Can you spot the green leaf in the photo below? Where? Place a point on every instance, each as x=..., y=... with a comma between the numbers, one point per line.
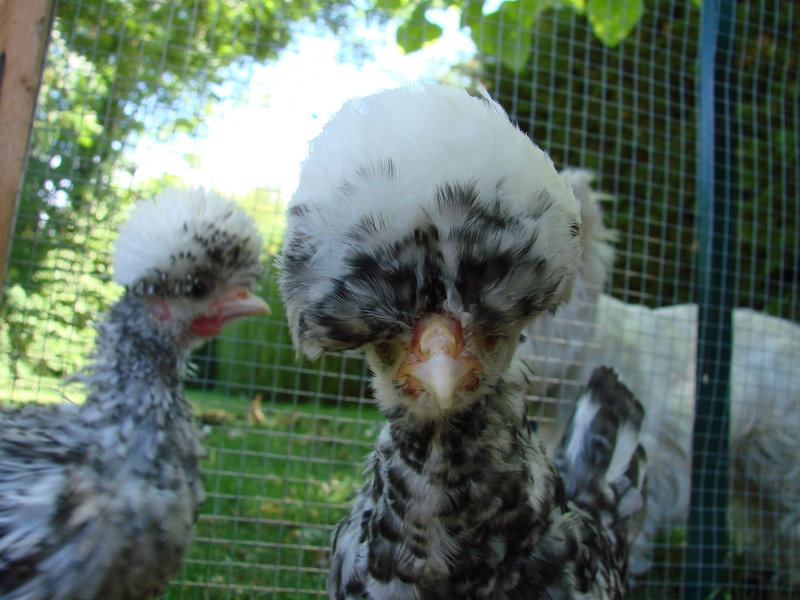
x=504, y=33
x=613, y=20
x=472, y=13
x=395, y=7
x=579, y=6
x=417, y=31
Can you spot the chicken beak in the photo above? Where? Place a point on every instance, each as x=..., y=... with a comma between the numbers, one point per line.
x=237, y=302
x=439, y=367
x=441, y=375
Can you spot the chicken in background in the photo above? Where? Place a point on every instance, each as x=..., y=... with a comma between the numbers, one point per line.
x=655, y=352
x=427, y=230
x=556, y=345
x=98, y=500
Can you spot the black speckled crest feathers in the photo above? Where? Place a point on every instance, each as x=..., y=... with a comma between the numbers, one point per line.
x=416, y=199
x=167, y=245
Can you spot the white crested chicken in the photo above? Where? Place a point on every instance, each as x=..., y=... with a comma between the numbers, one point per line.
x=98, y=500
x=427, y=230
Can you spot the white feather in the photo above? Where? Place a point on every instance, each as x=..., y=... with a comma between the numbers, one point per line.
x=654, y=350
x=140, y=247
x=585, y=412
x=627, y=443
x=452, y=139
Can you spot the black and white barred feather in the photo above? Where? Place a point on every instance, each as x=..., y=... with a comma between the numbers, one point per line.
x=475, y=510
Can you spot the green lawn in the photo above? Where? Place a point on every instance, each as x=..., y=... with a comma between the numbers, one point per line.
x=275, y=490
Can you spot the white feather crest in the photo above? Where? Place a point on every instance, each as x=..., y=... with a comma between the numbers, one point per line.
x=385, y=160
x=158, y=230
x=433, y=135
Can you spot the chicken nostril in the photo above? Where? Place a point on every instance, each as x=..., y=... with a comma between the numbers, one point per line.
x=435, y=333
x=437, y=338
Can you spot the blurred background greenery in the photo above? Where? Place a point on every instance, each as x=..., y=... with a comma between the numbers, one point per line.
x=628, y=74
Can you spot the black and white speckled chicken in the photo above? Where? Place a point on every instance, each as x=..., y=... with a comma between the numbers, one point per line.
x=98, y=500
x=428, y=230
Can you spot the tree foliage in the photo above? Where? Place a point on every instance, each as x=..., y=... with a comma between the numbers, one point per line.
x=115, y=69
x=505, y=32
x=119, y=67
x=629, y=113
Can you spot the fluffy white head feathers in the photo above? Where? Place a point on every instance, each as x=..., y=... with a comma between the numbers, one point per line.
x=405, y=201
x=183, y=231
x=427, y=136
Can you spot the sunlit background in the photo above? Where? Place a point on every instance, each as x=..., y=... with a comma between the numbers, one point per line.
x=140, y=94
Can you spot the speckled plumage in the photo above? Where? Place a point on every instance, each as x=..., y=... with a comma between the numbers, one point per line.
x=448, y=220
x=428, y=228
x=98, y=500
x=472, y=508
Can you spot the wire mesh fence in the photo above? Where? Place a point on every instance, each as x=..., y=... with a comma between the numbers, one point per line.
x=141, y=94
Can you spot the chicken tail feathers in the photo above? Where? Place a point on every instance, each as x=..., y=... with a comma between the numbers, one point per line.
x=601, y=461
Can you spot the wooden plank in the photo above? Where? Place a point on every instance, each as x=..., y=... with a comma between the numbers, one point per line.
x=24, y=33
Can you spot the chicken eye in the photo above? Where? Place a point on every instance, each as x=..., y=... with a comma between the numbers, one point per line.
x=490, y=341
x=200, y=288
x=384, y=350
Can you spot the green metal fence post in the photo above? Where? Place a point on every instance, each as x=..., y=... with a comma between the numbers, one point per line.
x=705, y=570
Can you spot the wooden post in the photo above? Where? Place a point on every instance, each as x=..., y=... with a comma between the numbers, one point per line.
x=24, y=32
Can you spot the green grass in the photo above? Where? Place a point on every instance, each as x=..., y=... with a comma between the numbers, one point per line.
x=274, y=492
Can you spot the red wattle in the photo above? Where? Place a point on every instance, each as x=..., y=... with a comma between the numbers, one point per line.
x=206, y=326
